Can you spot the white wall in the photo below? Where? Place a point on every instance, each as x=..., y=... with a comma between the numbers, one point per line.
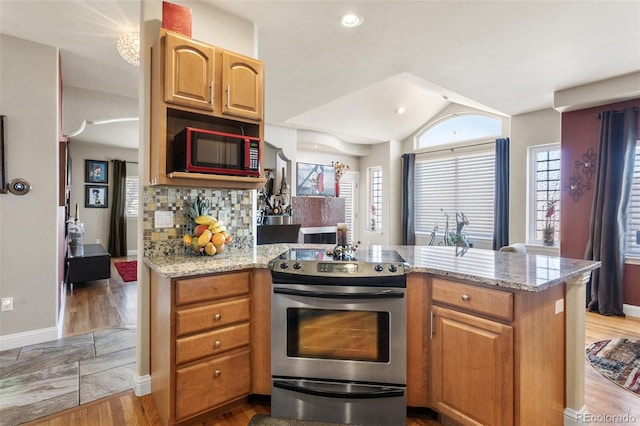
x=96, y=220
x=29, y=223
x=534, y=128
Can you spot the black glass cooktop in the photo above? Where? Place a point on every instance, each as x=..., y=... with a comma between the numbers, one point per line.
x=372, y=255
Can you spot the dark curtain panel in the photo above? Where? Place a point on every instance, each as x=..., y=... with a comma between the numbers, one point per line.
x=118, y=221
x=608, y=224
x=501, y=195
x=408, y=208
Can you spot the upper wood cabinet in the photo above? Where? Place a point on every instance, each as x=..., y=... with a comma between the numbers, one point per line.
x=195, y=84
x=243, y=83
x=189, y=69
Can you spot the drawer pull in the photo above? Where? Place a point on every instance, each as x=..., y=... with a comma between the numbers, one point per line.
x=466, y=298
x=218, y=373
x=217, y=344
x=217, y=317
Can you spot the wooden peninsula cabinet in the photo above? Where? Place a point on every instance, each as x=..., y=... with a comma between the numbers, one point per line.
x=495, y=354
x=200, y=344
x=195, y=84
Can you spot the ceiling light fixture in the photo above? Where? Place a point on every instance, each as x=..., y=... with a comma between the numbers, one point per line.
x=351, y=20
x=401, y=110
x=129, y=47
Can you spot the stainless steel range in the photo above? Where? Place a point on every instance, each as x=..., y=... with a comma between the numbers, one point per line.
x=338, y=339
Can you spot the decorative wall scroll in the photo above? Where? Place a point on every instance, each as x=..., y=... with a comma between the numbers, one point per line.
x=584, y=171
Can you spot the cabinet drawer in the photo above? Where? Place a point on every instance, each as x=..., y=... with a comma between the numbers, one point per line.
x=210, y=288
x=212, y=342
x=212, y=316
x=493, y=303
x=212, y=383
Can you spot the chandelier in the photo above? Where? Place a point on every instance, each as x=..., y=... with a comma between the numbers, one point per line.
x=129, y=47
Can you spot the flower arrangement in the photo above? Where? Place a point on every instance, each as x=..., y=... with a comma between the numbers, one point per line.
x=340, y=169
x=549, y=222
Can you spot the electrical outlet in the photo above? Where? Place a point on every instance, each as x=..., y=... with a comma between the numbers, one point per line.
x=163, y=219
x=97, y=240
x=7, y=303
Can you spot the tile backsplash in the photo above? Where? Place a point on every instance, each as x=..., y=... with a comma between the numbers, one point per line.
x=236, y=208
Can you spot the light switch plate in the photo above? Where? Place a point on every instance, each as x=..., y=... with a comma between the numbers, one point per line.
x=163, y=219
x=559, y=306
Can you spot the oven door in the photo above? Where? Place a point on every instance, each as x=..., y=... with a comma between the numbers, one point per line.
x=344, y=333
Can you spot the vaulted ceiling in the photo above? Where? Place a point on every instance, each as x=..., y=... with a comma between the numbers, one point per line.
x=506, y=57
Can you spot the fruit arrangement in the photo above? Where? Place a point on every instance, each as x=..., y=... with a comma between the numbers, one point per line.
x=209, y=236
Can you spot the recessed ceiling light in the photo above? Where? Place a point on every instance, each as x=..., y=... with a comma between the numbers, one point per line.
x=401, y=110
x=351, y=20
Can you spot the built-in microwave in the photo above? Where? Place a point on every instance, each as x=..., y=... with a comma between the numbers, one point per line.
x=209, y=151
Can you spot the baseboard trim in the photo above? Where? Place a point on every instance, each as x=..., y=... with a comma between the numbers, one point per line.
x=141, y=384
x=573, y=417
x=32, y=337
x=631, y=310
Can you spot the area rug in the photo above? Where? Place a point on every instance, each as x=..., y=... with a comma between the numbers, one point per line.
x=618, y=360
x=266, y=420
x=127, y=270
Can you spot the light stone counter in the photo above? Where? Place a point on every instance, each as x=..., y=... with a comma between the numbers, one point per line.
x=509, y=270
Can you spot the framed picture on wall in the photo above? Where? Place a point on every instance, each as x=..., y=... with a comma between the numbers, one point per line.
x=96, y=196
x=316, y=179
x=96, y=171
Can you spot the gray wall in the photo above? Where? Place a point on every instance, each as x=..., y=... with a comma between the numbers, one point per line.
x=29, y=224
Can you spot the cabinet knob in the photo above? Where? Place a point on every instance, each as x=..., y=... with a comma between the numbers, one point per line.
x=217, y=344
x=217, y=317
x=466, y=298
x=218, y=373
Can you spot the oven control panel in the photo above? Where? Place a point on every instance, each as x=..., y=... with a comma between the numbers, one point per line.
x=337, y=269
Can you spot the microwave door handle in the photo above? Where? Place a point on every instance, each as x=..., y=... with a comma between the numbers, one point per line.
x=310, y=390
x=384, y=294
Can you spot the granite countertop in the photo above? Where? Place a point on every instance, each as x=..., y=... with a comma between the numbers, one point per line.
x=510, y=270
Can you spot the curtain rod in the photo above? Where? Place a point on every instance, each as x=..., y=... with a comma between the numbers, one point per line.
x=458, y=147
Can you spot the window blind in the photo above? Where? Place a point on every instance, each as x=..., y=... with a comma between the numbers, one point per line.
x=633, y=224
x=131, y=196
x=457, y=183
x=346, y=192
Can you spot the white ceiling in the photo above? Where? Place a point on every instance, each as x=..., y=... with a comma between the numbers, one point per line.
x=507, y=57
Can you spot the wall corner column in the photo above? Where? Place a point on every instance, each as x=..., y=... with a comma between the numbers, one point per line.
x=575, y=345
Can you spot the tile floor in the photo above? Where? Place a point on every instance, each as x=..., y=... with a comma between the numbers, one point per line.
x=42, y=379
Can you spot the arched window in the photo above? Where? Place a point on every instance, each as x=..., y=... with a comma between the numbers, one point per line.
x=458, y=128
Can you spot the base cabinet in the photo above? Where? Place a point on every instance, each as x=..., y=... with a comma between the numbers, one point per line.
x=200, y=344
x=472, y=368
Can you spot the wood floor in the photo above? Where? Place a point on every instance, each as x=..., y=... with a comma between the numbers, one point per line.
x=115, y=306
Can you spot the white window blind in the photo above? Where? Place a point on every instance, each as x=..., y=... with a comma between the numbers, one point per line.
x=457, y=183
x=633, y=224
x=375, y=199
x=347, y=191
x=131, y=196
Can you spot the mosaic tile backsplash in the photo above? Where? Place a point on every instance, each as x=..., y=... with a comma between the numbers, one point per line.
x=236, y=208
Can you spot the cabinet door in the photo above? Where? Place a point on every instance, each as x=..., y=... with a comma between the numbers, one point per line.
x=472, y=368
x=243, y=84
x=189, y=71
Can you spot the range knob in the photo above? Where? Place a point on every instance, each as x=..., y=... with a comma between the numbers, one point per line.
x=392, y=268
x=284, y=265
x=378, y=268
x=297, y=265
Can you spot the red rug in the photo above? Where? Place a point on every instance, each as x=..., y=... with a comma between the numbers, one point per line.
x=127, y=270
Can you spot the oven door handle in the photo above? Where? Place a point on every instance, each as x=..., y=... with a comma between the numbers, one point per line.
x=309, y=390
x=384, y=294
